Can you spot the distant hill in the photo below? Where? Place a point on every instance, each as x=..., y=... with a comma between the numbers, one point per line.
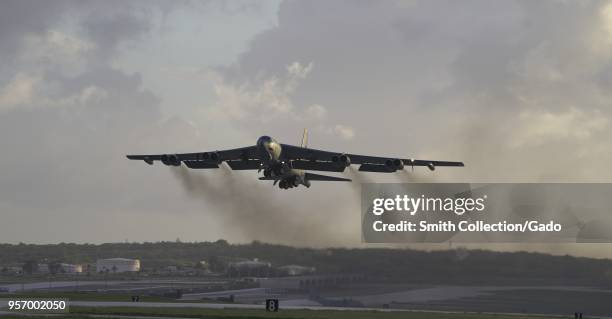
x=383, y=264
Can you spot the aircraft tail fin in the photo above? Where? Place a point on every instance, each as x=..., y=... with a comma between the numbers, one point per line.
x=305, y=138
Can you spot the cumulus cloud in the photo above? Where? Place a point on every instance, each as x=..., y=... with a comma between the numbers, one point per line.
x=19, y=91
x=606, y=16
x=298, y=70
x=265, y=100
x=316, y=111
x=56, y=46
x=271, y=101
x=344, y=131
x=519, y=90
x=66, y=130
x=28, y=91
x=540, y=127
x=455, y=81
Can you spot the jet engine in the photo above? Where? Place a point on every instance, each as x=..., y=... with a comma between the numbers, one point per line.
x=342, y=159
x=211, y=156
x=389, y=164
x=274, y=170
x=399, y=165
x=431, y=166
x=290, y=182
x=170, y=160
x=394, y=164
x=282, y=184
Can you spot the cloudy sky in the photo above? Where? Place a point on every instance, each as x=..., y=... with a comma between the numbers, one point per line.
x=518, y=90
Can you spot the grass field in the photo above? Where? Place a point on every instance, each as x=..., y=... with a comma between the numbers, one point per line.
x=83, y=296
x=117, y=312
x=57, y=317
x=288, y=314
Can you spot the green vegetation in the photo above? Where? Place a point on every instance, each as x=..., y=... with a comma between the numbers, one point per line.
x=385, y=265
x=288, y=314
x=91, y=296
x=303, y=314
x=57, y=317
x=84, y=296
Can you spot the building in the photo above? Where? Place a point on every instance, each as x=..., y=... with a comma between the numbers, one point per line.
x=304, y=283
x=13, y=270
x=116, y=265
x=42, y=269
x=296, y=270
x=71, y=269
x=249, y=268
x=203, y=264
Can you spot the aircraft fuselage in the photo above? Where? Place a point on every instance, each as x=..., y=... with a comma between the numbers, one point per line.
x=270, y=154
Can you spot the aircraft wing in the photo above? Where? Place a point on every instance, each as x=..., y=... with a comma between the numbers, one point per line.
x=238, y=158
x=313, y=159
x=317, y=166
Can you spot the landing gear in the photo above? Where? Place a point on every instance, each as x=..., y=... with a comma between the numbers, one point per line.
x=290, y=182
x=276, y=170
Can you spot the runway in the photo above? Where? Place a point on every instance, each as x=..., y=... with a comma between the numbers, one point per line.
x=103, y=285
x=245, y=306
x=554, y=300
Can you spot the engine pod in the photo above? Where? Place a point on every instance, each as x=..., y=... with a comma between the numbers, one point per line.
x=170, y=160
x=342, y=159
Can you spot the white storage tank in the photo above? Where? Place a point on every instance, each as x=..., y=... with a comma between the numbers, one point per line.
x=71, y=269
x=115, y=265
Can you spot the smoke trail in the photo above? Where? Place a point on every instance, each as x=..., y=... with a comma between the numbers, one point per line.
x=405, y=176
x=356, y=176
x=255, y=211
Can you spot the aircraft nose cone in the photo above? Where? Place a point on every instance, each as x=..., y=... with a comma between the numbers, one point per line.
x=264, y=141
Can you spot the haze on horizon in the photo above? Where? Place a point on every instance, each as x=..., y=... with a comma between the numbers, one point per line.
x=518, y=90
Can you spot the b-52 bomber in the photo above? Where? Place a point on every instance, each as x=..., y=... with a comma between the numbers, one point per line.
x=287, y=164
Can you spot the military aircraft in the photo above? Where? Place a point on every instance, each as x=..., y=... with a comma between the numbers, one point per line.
x=286, y=164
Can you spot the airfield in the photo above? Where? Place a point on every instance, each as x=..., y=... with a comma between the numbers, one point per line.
x=177, y=313
x=386, y=301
